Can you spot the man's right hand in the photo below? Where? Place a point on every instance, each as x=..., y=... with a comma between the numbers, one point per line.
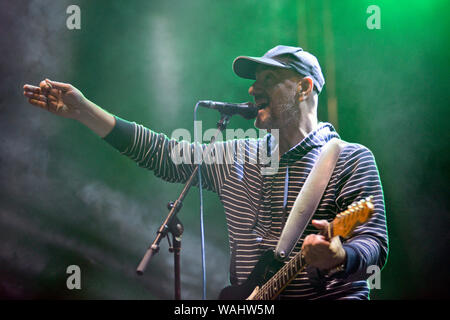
x=66, y=101
x=59, y=98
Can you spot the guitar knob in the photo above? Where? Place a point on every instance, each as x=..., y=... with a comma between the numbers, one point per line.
x=281, y=255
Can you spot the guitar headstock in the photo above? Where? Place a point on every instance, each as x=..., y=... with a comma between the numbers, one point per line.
x=356, y=214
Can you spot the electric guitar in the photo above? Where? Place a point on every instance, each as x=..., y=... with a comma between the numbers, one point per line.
x=270, y=275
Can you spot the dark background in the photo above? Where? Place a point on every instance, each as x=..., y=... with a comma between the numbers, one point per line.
x=66, y=197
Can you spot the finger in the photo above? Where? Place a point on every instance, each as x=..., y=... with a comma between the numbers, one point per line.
x=320, y=239
x=35, y=96
x=52, y=98
x=308, y=239
x=30, y=88
x=58, y=85
x=44, y=86
x=54, y=92
x=38, y=103
x=317, y=239
x=320, y=224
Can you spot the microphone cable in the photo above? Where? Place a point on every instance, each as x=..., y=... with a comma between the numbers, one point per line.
x=202, y=229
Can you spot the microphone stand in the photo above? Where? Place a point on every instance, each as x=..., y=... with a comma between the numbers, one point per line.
x=172, y=224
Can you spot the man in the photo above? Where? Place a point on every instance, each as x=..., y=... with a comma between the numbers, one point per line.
x=287, y=83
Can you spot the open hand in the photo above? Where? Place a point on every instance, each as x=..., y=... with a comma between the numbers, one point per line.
x=59, y=98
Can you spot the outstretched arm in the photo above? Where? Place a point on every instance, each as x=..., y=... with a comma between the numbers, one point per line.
x=147, y=148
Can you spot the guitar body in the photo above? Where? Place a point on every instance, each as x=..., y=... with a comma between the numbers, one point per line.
x=266, y=267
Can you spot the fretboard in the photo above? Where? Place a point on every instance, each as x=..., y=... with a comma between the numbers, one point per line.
x=272, y=288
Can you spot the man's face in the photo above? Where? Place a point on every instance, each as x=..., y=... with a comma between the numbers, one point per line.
x=275, y=90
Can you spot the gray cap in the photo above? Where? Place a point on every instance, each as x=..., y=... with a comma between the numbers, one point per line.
x=284, y=57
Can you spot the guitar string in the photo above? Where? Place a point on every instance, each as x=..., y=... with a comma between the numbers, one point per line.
x=268, y=286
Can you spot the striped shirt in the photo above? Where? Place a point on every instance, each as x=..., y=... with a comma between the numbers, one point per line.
x=256, y=204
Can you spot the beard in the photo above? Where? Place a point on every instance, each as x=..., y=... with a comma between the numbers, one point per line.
x=278, y=115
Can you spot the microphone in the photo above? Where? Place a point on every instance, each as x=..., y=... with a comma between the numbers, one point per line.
x=247, y=110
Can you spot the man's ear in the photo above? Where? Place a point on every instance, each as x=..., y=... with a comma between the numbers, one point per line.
x=304, y=88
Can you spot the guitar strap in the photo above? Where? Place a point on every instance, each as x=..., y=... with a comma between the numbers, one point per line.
x=309, y=198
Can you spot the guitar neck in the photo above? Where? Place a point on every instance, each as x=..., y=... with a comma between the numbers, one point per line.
x=272, y=288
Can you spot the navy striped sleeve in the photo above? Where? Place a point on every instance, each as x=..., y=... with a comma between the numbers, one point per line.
x=169, y=159
x=368, y=244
